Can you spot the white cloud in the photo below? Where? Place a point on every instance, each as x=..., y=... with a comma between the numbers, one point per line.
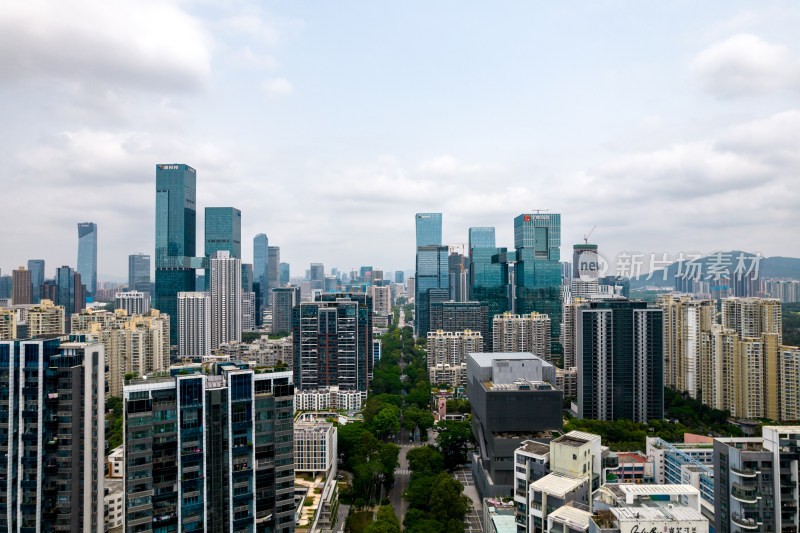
x=746, y=65
x=245, y=57
x=149, y=44
x=449, y=165
x=277, y=86
x=252, y=26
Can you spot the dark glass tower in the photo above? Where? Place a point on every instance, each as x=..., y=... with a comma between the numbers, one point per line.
x=488, y=281
x=284, y=274
x=139, y=273
x=87, y=256
x=36, y=266
x=620, y=356
x=537, y=271
x=176, y=231
x=273, y=270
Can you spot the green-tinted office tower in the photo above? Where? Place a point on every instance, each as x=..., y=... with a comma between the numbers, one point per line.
x=284, y=274
x=429, y=229
x=488, y=281
x=481, y=238
x=432, y=274
x=176, y=233
x=139, y=273
x=36, y=266
x=87, y=256
x=223, y=231
x=537, y=271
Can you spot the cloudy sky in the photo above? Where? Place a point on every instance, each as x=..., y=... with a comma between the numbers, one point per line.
x=672, y=126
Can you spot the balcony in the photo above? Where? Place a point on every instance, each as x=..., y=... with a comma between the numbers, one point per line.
x=745, y=523
x=743, y=473
x=744, y=494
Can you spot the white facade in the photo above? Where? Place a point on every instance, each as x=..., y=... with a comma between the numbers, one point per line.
x=315, y=447
x=325, y=399
x=134, y=302
x=113, y=503
x=116, y=463
x=194, y=324
x=226, y=298
x=447, y=355
x=522, y=333
x=381, y=299
x=248, y=311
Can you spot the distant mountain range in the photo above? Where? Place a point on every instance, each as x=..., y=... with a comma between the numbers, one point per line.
x=768, y=267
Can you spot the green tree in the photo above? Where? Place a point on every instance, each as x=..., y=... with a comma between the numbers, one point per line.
x=386, y=521
x=387, y=420
x=454, y=440
x=448, y=505
x=425, y=460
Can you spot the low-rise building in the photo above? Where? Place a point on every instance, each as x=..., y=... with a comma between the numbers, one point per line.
x=552, y=492
x=498, y=516
x=685, y=463
x=315, y=448
x=331, y=398
x=116, y=463
x=113, y=504
x=627, y=508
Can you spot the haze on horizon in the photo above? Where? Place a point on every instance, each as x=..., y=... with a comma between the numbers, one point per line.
x=672, y=127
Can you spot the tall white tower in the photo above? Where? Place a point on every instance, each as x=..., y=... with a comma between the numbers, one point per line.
x=226, y=298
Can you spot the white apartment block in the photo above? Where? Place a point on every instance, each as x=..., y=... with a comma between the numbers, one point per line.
x=522, y=333
x=447, y=355
x=194, y=324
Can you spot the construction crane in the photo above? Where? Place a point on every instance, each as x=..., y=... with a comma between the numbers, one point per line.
x=456, y=247
x=586, y=237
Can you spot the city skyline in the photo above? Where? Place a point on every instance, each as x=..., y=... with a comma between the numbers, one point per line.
x=693, y=130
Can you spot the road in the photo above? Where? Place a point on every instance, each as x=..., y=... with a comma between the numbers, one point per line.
x=474, y=521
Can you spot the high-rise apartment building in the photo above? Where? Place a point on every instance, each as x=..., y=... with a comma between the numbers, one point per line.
x=134, y=344
x=139, y=273
x=381, y=299
x=52, y=435
x=22, y=289
x=133, y=302
x=176, y=238
x=87, y=256
x=458, y=272
x=283, y=301
x=194, y=324
x=248, y=311
x=752, y=317
x=333, y=342
x=8, y=324
x=210, y=452
x=46, y=319
x=755, y=478
x=36, y=266
x=462, y=316
x=537, y=270
x=226, y=298
x=684, y=321
x=447, y=355
x=522, y=333
x=620, y=361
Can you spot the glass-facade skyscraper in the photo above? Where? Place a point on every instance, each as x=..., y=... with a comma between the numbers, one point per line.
x=87, y=256
x=273, y=270
x=429, y=229
x=537, y=271
x=284, y=274
x=176, y=234
x=481, y=238
x=260, y=264
x=432, y=274
x=36, y=266
x=488, y=279
x=139, y=273
x=223, y=231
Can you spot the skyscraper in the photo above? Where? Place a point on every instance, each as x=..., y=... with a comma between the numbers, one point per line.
x=488, y=278
x=283, y=301
x=176, y=234
x=432, y=275
x=194, y=324
x=36, y=266
x=537, y=271
x=333, y=342
x=53, y=439
x=429, y=229
x=285, y=274
x=526, y=333
x=317, y=276
x=620, y=361
x=87, y=256
x=223, y=231
x=21, y=286
x=399, y=277
x=139, y=273
x=273, y=270
x=70, y=292
x=226, y=298
x=210, y=452
x=247, y=277
x=481, y=238
x=260, y=266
